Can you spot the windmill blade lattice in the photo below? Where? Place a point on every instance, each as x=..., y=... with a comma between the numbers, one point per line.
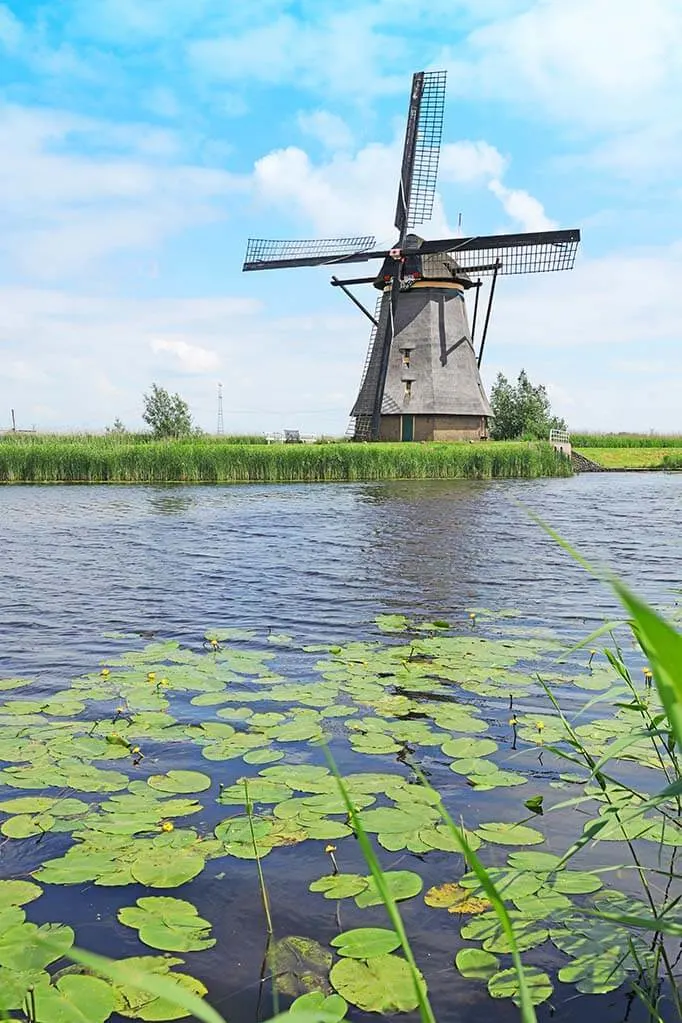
x=529, y=253
x=427, y=149
x=270, y=253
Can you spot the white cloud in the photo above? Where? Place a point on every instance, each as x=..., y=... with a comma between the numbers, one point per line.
x=65, y=205
x=11, y=31
x=191, y=358
x=624, y=298
x=72, y=360
x=329, y=129
x=598, y=63
x=466, y=162
x=522, y=207
x=347, y=193
x=344, y=54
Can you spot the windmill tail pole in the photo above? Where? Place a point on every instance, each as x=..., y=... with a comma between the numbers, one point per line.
x=473, y=322
x=340, y=284
x=487, y=316
x=386, y=343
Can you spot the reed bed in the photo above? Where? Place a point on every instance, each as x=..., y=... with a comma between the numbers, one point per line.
x=202, y=460
x=672, y=461
x=626, y=440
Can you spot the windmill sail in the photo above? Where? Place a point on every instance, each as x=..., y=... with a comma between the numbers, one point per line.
x=271, y=254
x=421, y=150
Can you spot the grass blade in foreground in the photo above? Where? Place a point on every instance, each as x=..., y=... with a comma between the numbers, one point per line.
x=425, y=1010
x=149, y=983
x=525, y=1002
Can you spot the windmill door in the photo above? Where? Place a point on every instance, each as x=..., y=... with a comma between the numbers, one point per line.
x=407, y=427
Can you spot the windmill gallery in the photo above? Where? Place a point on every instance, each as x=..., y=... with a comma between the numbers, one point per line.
x=421, y=379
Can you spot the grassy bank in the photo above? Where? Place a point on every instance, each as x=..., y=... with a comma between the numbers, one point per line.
x=626, y=440
x=207, y=460
x=634, y=457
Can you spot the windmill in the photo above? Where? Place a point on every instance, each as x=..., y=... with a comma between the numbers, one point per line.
x=421, y=378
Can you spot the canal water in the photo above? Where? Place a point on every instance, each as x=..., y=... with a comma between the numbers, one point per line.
x=319, y=563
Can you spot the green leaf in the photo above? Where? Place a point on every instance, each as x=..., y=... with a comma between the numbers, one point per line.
x=506, y=985
x=543, y=905
x=28, y=948
x=28, y=804
x=75, y=999
x=501, y=833
x=173, y=995
x=663, y=647
x=24, y=826
x=475, y=964
x=537, y=861
x=167, y=869
x=339, y=886
x=322, y=1008
x=534, y=804
x=180, y=781
x=171, y=925
x=597, y=973
x=300, y=964
x=488, y=929
x=366, y=942
x=18, y=893
x=467, y=747
x=384, y=984
x=402, y=884
x=391, y=623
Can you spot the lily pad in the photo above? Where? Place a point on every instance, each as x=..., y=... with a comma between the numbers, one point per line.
x=366, y=942
x=75, y=998
x=467, y=747
x=455, y=899
x=299, y=965
x=327, y=1008
x=167, y=868
x=136, y=1003
x=506, y=985
x=475, y=964
x=501, y=833
x=402, y=884
x=384, y=984
x=339, y=886
x=18, y=893
x=180, y=781
x=172, y=925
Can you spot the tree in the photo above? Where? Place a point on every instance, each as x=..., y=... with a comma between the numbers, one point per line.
x=118, y=428
x=167, y=414
x=521, y=410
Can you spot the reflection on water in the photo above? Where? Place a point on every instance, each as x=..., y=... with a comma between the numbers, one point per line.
x=319, y=562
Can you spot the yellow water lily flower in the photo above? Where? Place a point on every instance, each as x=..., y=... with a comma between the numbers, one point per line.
x=104, y=672
x=330, y=849
x=539, y=725
x=513, y=722
x=167, y=826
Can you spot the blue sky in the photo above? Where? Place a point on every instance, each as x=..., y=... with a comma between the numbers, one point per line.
x=144, y=141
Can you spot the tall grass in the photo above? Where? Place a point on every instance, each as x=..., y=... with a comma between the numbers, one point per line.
x=121, y=438
x=673, y=461
x=626, y=440
x=198, y=460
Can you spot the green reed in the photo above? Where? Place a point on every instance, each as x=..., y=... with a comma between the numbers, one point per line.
x=626, y=440
x=207, y=460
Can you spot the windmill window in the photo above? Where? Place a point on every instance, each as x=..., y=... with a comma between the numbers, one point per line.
x=408, y=388
x=405, y=352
